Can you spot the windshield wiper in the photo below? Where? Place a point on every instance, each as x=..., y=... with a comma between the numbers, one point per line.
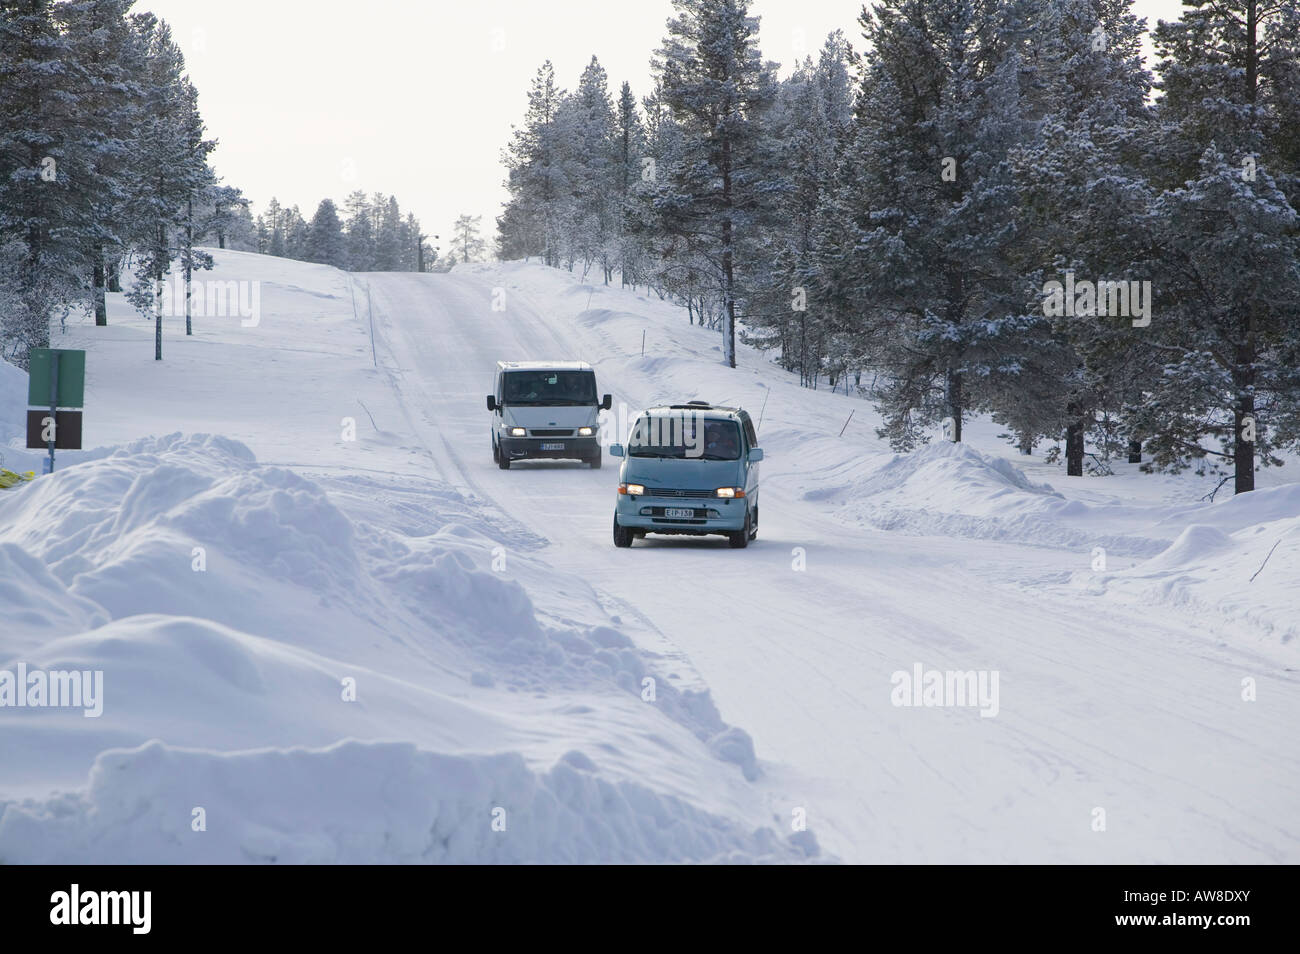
x=715, y=457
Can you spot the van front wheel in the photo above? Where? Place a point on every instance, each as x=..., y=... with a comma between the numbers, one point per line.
x=740, y=539
x=622, y=535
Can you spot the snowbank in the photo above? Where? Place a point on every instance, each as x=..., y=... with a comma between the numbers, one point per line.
x=951, y=489
x=229, y=605
x=1239, y=563
x=364, y=803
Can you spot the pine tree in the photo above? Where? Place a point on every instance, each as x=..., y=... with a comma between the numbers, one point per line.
x=106, y=60
x=388, y=237
x=1081, y=194
x=629, y=136
x=930, y=206
x=296, y=231
x=532, y=221
x=325, y=243
x=43, y=202
x=360, y=233
x=225, y=217
x=275, y=222
x=717, y=86
x=1229, y=245
x=466, y=238
x=793, y=308
x=170, y=159
x=588, y=125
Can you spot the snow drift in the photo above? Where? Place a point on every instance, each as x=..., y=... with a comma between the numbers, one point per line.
x=230, y=604
x=1238, y=564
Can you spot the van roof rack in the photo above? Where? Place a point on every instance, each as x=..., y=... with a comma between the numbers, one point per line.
x=697, y=406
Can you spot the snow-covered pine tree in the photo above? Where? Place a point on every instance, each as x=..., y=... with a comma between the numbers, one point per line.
x=275, y=222
x=1081, y=191
x=325, y=242
x=586, y=125
x=44, y=202
x=715, y=83
x=931, y=206
x=629, y=149
x=1229, y=244
x=790, y=307
x=169, y=157
x=225, y=217
x=296, y=231
x=466, y=240
x=203, y=179
x=106, y=62
x=532, y=220
x=1224, y=324
x=360, y=232
x=388, y=237
x=661, y=146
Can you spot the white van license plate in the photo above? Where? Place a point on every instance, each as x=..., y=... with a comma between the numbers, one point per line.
x=673, y=513
x=552, y=447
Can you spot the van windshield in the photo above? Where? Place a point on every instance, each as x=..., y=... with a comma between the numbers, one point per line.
x=686, y=436
x=549, y=387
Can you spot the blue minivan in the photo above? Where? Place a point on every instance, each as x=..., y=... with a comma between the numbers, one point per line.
x=689, y=469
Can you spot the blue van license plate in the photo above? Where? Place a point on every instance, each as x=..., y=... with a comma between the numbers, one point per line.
x=552, y=447
x=673, y=513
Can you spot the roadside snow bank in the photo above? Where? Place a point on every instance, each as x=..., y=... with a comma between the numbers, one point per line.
x=1239, y=561
x=227, y=603
x=364, y=803
x=952, y=489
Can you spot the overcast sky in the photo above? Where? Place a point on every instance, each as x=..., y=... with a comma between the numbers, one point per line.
x=315, y=98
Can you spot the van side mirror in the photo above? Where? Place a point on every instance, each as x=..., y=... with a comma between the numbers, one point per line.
x=492, y=402
x=608, y=402
x=615, y=450
x=755, y=455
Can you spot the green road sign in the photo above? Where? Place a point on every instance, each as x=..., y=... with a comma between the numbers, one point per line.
x=72, y=377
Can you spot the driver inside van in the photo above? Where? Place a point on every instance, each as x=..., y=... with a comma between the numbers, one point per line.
x=720, y=441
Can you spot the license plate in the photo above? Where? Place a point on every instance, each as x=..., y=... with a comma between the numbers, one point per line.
x=552, y=447
x=674, y=513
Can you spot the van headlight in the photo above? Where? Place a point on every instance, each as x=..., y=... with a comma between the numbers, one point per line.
x=635, y=490
x=517, y=432
x=730, y=491
x=586, y=431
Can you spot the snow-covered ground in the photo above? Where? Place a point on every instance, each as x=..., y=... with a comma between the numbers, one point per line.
x=234, y=558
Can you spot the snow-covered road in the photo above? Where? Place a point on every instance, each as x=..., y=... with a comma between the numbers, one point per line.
x=1121, y=733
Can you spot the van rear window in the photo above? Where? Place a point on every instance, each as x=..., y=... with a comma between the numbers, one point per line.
x=549, y=387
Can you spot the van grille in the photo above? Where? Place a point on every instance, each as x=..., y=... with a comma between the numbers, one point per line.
x=671, y=492
x=542, y=432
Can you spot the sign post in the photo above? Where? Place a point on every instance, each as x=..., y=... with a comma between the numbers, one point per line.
x=57, y=378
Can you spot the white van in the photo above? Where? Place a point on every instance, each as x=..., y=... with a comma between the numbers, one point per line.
x=545, y=410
